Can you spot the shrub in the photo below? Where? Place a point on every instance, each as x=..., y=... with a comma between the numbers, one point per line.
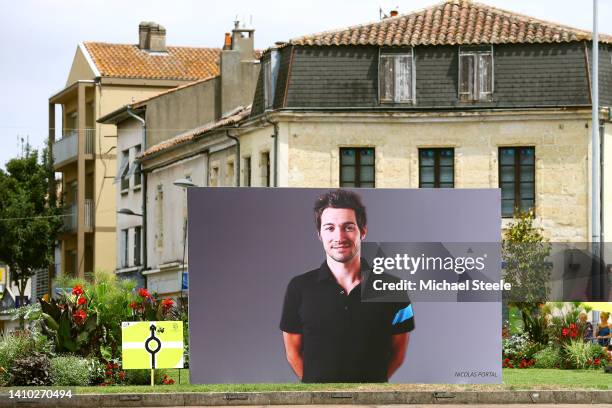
x=34, y=369
x=70, y=371
x=548, y=358
x=19, y=344
x=578, y=354
x=96, y=371
x=519, y=351
x=143, y=377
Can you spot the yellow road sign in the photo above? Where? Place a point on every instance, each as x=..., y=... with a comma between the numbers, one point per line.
x=152, y=344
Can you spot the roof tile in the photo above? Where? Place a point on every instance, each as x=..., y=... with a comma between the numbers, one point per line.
x=178, y=63
x=451, y=22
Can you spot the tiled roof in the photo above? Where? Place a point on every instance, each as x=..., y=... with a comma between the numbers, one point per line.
x=232, y=118
x=452, y=22
x=129, y=61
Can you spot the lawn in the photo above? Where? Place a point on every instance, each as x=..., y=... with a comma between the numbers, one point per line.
x=513, y=379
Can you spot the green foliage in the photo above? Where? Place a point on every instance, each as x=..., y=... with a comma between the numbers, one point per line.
x=19, y=344
x=519, y=349
x=524, y=251
x=61, y=322
x=550, y=357
x=70, y=371
x=143, y=377
x=29, y=217
x=31, y=369
x=580, y=354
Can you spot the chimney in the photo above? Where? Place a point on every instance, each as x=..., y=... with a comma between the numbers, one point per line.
x=393, y=13
x=151, y=37
x=239, y=68
x=227, y=43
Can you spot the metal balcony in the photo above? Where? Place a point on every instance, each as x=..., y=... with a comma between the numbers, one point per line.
x=70, y=216
x=67, y=148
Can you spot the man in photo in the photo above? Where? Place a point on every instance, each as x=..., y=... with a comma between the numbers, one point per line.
x=329, y=334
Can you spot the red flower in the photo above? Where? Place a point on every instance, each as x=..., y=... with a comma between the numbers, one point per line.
x=79, y=316
x=167, y=304
x=143, y=293
x=109, y=373
x=109, y=365
x=134, y=305
x=597, y=362
x=81, y=300
x=565, y=331
x=77, y=290
x=572, y=326
x=122, y=375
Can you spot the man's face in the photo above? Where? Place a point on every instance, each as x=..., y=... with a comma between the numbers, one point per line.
x=340, y=234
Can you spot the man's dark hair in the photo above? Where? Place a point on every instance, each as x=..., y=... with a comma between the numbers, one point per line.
x=341, y=199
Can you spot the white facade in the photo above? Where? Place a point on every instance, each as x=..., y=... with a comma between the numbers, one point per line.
x=129, y=187
x=166, y=215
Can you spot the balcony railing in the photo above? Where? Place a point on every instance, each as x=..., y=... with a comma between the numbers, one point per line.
x=71, y=213
x=67, y=147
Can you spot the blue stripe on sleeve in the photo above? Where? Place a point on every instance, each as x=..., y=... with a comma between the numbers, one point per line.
x=403, y=315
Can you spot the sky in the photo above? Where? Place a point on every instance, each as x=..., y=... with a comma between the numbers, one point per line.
x=38, y=38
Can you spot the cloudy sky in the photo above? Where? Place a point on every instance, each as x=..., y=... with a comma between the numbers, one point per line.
x=38, y=38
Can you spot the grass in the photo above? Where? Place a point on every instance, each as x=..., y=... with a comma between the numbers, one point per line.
x=513, y=379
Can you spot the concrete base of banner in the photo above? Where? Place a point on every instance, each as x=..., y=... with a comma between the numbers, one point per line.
x=319, y=398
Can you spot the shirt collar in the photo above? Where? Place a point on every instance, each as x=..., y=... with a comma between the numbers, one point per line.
x=326, y=274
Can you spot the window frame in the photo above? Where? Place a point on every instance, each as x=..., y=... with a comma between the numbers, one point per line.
x=268, y=84
x=385, y=53
x=123, y=170
x=138, y=170
x=476, y=95
x=437, y=152
x=517, y=177
x=137, y=245
x=124, y=248
x=247, y=171
x=357, y=176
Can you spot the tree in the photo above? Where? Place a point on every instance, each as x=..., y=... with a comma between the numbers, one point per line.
x=524, y=251
x=29, y=218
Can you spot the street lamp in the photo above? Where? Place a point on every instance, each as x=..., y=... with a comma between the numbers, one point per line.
x=127, y=211
x=184, y=183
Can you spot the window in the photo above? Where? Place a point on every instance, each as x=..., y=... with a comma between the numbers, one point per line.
x=159, y=218
x=437, y=168
x=517, y=179
x=137, y=245
x=265, y=169
x=123, y=170
x=229, y=177
x=475, y=74
x=123, y=250
x=247, y=172
x=268, y=88
x=137, y=168
x=214, y=176
x=357, y=167
x=395, y=78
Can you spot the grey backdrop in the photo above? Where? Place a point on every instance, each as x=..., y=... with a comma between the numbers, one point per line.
x=245, y=244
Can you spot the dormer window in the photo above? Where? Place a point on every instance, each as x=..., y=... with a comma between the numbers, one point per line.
x=268, y=88
x=396, y=77
x=475, y=74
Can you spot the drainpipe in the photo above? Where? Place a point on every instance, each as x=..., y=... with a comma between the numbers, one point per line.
x=144, y=194
x=275, y=136
x=237, y=156
x=595, y=165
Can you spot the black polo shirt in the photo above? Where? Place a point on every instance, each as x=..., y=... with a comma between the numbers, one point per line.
x=343, y=339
